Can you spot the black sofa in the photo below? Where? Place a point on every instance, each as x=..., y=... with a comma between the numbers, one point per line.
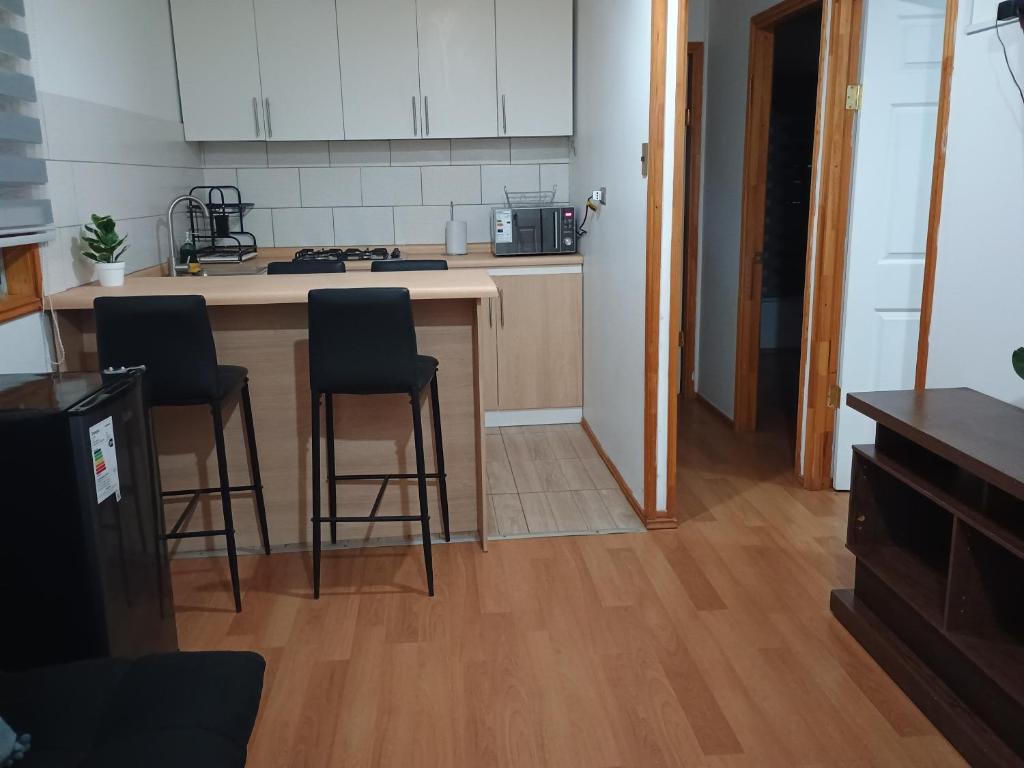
x=166, y=711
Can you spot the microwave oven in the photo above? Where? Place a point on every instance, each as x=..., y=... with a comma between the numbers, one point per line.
x=533, y=231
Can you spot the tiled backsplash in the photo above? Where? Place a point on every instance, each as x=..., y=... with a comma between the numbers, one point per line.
x=381, y=192
x=110, y=161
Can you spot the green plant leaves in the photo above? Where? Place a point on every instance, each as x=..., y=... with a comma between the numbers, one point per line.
x=100, y=240
x=1018, y=361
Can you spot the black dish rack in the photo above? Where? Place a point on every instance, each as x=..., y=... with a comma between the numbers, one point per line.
x=222, y=238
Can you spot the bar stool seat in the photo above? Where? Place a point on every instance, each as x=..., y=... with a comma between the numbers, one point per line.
x=171, y=336
x=381, y=359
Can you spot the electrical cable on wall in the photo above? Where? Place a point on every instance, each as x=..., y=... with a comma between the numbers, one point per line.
x=58, y=343
x=589, y=206
x=1018, y=7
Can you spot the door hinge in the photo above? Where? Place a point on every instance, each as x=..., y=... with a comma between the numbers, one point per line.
x=834, y=396
x=854, y=97
x=689, y=115
x=644, y=149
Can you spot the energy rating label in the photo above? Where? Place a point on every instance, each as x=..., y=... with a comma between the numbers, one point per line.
x=104, y=460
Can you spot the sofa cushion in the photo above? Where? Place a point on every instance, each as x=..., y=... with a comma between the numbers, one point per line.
x=194, y=709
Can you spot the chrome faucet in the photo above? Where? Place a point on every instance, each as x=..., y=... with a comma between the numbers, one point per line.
x=172, y=259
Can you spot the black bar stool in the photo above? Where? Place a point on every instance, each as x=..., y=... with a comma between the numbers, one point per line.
x=305, y=267
x=380, y=358
x=408, y=265
x=171, y=336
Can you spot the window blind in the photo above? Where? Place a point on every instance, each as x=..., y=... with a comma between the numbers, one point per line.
x=26, y=216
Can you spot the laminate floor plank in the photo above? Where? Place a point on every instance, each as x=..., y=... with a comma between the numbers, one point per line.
x=710, y=645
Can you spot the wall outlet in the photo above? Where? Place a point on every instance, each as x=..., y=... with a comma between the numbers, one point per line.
x=600, y=196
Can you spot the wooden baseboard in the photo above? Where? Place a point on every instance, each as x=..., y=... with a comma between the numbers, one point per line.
x=658, y=523
x=714, y=409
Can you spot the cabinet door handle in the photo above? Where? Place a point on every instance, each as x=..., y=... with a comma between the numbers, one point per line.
x=415, y=127
x=501, y=306
x=504, y=115
x=490, y=312
x=426, y=113
x=270, y=126
x=256, y=115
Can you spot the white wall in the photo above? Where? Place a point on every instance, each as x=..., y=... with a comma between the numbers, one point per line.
x=314, y=193
x=23, y=345
x=612, y=99
x=117, y=53
x=978, y=319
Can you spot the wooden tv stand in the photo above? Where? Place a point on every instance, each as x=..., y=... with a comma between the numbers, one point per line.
x=937, y=526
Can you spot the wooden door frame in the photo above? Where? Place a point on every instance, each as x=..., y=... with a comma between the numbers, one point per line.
x=931, y=256
x=654, y=518
x=760, y=72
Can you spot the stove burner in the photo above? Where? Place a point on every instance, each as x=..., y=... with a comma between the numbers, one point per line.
x=346, y=254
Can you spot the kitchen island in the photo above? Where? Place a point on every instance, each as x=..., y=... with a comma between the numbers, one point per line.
x=260, y=322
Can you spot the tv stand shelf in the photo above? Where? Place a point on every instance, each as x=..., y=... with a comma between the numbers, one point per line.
x=936, y=523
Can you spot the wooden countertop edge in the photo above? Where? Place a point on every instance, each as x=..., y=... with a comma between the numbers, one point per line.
x=243, y=290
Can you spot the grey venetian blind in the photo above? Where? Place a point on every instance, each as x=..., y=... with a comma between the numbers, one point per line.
x=25, y=214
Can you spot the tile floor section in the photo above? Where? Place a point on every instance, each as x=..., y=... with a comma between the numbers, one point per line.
x=550, y=480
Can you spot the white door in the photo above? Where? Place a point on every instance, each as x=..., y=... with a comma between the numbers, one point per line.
x=457, y=68
x=218, y=70
x=380, y=81
x=534, y=39
x=891, y=196
x=300, y=69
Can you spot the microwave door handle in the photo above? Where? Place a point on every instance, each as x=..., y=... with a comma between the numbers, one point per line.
x=555, y=231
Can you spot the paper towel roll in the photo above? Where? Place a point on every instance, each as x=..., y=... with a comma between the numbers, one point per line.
x=455, y=238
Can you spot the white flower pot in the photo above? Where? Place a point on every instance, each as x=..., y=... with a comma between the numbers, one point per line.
x=110, y=275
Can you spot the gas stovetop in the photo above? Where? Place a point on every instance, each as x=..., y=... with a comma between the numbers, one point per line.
x=346, y=254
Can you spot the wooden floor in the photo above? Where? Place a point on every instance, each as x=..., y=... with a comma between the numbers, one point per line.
x=550, y=480
x=711, y=645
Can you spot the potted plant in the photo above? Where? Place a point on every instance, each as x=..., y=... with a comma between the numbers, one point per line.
x=103, y=245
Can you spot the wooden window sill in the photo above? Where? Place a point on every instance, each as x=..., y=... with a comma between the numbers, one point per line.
x=13, y=307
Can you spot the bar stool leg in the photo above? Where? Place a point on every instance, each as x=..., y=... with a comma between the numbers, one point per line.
x=225, y=500
x=254, y=467
x=421, y=477
x=442, y=483
x=332, y=486
x=316, y=495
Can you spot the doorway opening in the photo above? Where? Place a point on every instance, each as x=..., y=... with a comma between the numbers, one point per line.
x=693, y=119
x=782, y=139
x=787, y=209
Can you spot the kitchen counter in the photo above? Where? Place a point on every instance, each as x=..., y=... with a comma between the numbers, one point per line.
x=260, y=322
x=233, y=290
x=479, y=257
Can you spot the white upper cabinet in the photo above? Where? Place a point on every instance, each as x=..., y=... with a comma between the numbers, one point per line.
x=306, y=70
x=534, y=54
x=380, y=81
x=298, y=65
x=457, y=68
x=218, y=70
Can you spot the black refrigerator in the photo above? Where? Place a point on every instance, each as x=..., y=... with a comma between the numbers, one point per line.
x=83, y=562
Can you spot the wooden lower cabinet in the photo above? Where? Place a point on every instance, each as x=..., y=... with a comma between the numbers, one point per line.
x=537, y=355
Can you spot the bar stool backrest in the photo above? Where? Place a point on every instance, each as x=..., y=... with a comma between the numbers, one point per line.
x=362, y=341
x=170, y=335
x=305, y=267
x=408, y=265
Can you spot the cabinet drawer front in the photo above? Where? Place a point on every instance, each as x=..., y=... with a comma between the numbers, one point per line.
x=540, y=341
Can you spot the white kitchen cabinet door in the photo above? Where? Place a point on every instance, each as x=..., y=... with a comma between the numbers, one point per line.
x=300, y=69
x=379, y=68
x=218, y=69
x=457, y=68
x=534, y=44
